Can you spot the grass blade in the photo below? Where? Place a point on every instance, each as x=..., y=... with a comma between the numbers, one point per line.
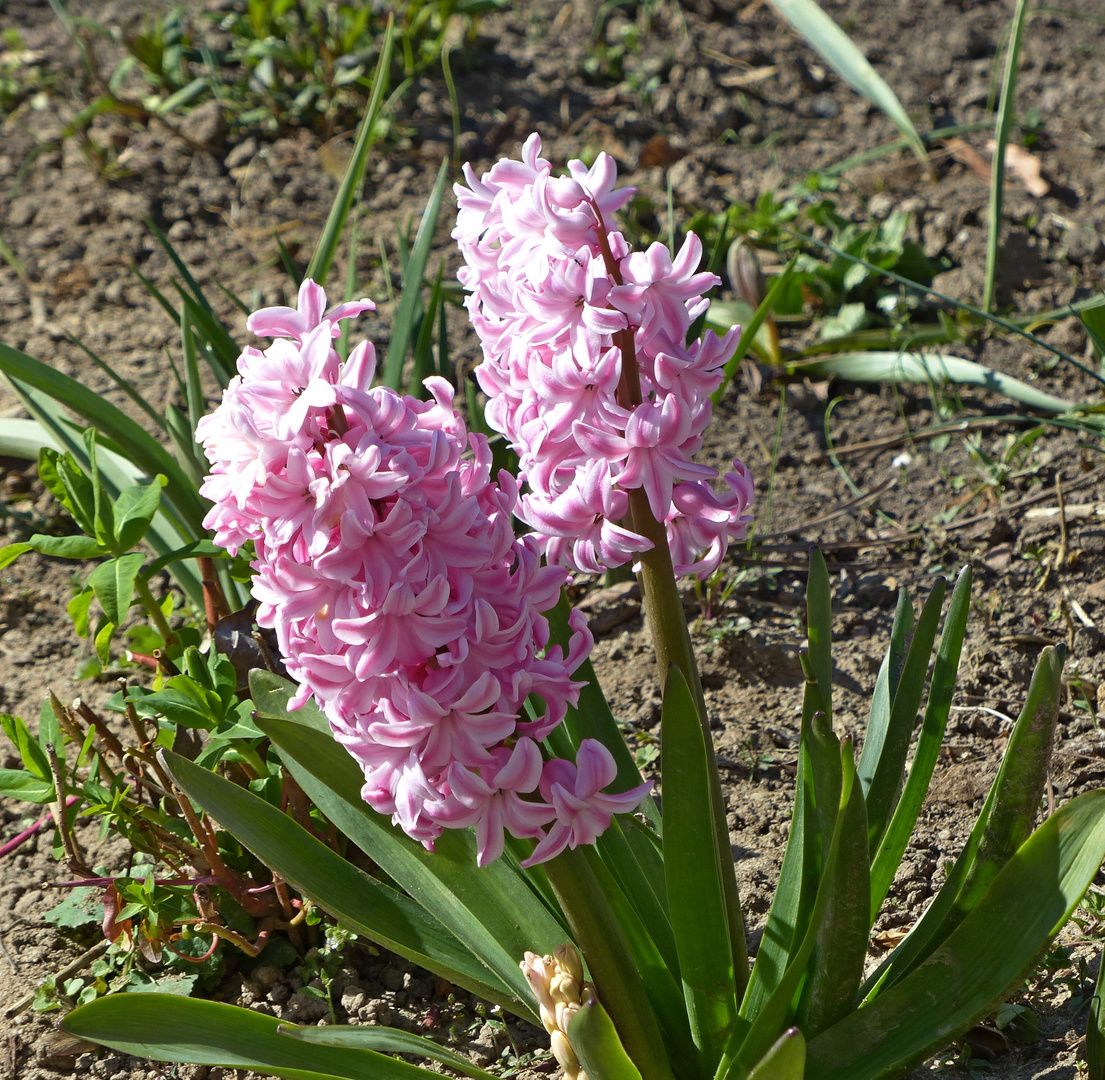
x=985, y=957
x=841, y=54
x=934, y=370
x=941, y=688
x=356, y=900
x=410, y=300
x=168, y=1027
x=1001, y=140
x=695, y=899
x=323, y=257
x=1095, y=1027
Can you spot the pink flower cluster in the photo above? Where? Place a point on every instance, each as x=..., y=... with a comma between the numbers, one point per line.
x=556, y=296
x=388, y=567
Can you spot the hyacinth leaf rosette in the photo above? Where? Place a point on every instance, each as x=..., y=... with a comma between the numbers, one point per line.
x=437, y=714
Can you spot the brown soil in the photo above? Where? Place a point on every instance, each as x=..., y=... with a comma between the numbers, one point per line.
x=746, y=109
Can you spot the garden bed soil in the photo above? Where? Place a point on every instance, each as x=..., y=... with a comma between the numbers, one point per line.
x=723, y=102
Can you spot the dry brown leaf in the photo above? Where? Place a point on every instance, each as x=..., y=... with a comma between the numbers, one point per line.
x=889, y=939
x=1024, y=166
x=967, y=155
x=659, y=151
x=741, y=80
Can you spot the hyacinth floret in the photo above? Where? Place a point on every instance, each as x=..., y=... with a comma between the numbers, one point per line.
x=387, y=564
x=559, y=302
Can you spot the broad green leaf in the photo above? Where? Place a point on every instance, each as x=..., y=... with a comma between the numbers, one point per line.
x=134, y=510
x=841, y=54
x=167, y=1027
x=179, y=707
x=322, y=259
x=595, y=1041
x=113, y=584
x=10, y=552
x=25, y=786
x=786, y=1060
x=491, y=909
x=1001, y=141
x=104, y=513
x=33, y=755
x=384, y=1040
x=888, y=765
x=941, y=689
x=356, y=900
x=695, y=899
x=271, y=693
x=70, y=486
x=410, y=300
x=931, y=369
x=66, y=547
x=983, y=959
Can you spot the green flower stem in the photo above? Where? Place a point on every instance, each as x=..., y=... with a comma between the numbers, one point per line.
x=671, y=642
x=151, y=605
x=618, y=982
x=671, y=639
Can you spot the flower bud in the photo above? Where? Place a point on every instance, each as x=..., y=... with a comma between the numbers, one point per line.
x=563, y=1052
x=745, y=275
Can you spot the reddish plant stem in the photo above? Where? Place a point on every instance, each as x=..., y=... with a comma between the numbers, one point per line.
x=18, y=841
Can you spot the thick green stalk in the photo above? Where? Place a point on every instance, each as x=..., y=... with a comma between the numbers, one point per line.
x=671, y=639
x=617, y=980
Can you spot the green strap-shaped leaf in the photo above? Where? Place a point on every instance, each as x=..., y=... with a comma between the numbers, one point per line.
x=492, y=909
x=596, y=1044
x=941, y=689
x=841, y=54
x=113, y=584
x=1003, y=824
x=819, y=630
x=168, y=1027
x=1095, y=1027
x=141, y=447
x=985, y=957
x=384, y=1040
x=889, y=763
x=319, y=267
x=410, y=300
x=786, y=1060
x=270, y=694
x=695, y=899
x=886, y=685
x=750, y=1043
x=357, y=901
x=836, y=967
x=930, y=369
